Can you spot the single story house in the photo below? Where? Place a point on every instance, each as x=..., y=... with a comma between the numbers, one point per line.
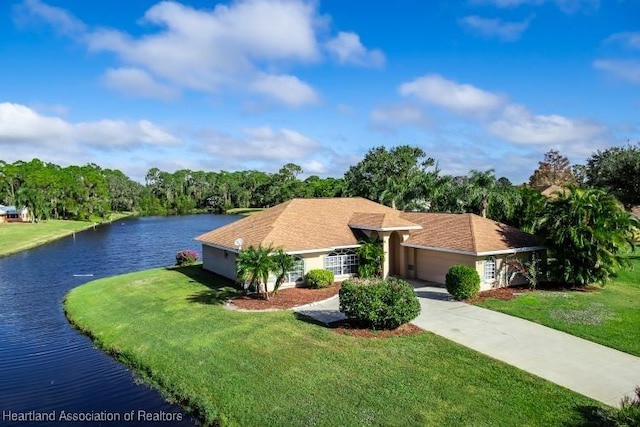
x=12, y=214
x=325, y=234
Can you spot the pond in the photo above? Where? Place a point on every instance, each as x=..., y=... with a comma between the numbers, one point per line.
x=46, y=366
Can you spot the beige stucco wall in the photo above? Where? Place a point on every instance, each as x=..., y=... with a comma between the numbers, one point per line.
x=215, y=260
x=433, y=266
x=219, y=261
x=502, y=270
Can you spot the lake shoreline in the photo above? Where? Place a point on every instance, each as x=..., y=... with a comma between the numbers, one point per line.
x=37, y=240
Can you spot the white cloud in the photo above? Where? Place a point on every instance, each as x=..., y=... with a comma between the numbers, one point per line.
x=567, y=6
x=138, y=83
x=347, y=48
x=517, y=124
x=285, y=89
x=205, y=49
x=22, y=125
x=494, y=27
x=61, y=20
x=459, y=98
x=625, y=69
x=117, y=133
x=628, y=39
x=314, y=167
x=261, y=143
x=389, y=117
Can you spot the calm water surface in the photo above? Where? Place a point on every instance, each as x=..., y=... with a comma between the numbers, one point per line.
x=45, y=364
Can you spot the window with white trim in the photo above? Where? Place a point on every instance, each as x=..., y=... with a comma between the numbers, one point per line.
x=341, y=262
x=490, y=269
x=297, y=272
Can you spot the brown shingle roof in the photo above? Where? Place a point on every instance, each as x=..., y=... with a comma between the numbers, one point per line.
x=381, y=221
x=466, y=233
x=306, y=224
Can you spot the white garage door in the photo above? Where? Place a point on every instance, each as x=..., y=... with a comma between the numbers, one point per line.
x=433, y=266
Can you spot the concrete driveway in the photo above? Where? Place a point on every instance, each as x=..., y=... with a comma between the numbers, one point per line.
x=591, y=369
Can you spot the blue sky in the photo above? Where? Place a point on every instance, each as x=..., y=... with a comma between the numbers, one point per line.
x=255, y=84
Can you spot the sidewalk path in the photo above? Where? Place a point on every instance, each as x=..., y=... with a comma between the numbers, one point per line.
x=591, y=369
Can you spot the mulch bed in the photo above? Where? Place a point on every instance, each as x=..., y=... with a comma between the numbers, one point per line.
x=286, y=298
x=513, y=292
x=352, y=328
x=499, y=293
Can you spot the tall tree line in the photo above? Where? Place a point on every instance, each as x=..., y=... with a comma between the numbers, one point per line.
x=404, y=177
x=83, y=192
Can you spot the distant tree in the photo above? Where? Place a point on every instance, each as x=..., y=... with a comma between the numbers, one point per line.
x=528, y=210
x=385, y=176
x=617, y=170
x=585, y=231
x=555, y=169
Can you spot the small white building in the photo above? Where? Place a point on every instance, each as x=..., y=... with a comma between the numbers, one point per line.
x=325, y=234
x=12, y=214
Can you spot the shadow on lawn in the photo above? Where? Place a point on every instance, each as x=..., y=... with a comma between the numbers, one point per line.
x=590, y=416
x=220, y=288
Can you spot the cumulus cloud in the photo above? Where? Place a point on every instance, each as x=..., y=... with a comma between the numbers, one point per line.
x=459, y=98
x=624, y=69
x=235, y=46
x=285, y=89
x=495, y=27
x=314, y=167
x=347, y=48
x=138, y=83
x=260, y=143
x=519, y=125
x=21, y=124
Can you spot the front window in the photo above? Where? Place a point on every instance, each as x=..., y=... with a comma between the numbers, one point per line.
x=341, y=262
x=490, y=269
x=297, y=272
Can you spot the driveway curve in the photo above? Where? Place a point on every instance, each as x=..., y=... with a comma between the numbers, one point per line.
x=591, y=369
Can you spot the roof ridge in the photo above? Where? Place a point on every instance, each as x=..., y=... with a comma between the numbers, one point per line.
x=474, y=244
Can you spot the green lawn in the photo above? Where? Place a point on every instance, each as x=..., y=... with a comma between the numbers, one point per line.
x=609, y=316
x=16, y=236
x=243, y=211
x=257, y=369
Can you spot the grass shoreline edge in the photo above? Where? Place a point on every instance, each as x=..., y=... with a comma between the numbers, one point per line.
x=168, y=327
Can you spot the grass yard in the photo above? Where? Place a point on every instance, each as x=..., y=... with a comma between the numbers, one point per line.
x=243, y=211
x=16, y=236
x=609, y=316
x=269, y=368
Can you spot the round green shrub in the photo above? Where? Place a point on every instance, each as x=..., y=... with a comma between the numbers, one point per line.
x=379, y=304
x=463, y=282
x=318, y=278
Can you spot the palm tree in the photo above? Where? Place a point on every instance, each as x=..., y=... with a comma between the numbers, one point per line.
x=282, y=263
x=586, y=231
x=254, y=265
